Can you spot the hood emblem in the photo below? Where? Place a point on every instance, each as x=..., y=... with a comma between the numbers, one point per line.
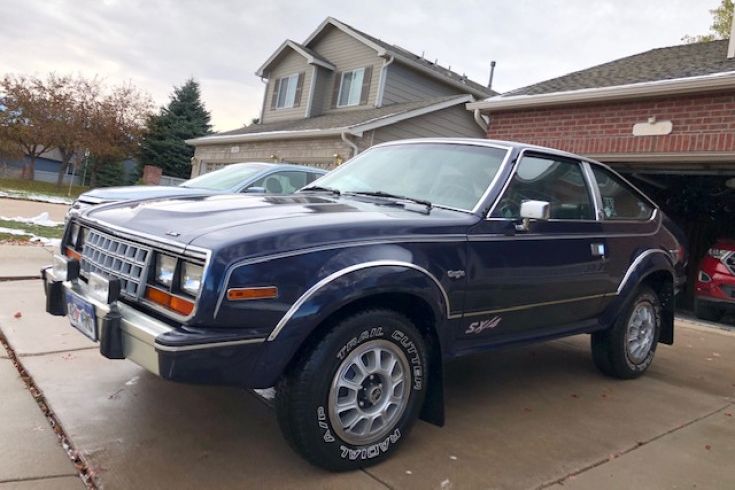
x=173, y=233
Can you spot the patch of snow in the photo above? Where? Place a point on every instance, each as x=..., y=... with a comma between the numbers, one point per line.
x=40, y=220
x=13, y=231
x=29, y=196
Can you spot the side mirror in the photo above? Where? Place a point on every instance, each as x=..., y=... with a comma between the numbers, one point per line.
x=255, y=190
x=533, y=210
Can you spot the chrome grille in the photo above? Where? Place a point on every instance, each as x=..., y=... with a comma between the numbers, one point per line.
x=112, y=257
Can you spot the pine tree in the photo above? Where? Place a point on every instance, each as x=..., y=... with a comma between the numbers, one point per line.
x=185, y=117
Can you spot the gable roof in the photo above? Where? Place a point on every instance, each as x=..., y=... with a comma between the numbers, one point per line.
x=406, y=57
x=311, y=56
x=353, y=122
x=683, y=61
x=674, y=70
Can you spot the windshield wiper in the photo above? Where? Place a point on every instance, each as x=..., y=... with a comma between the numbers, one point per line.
x=319, y=188
x=394, y=196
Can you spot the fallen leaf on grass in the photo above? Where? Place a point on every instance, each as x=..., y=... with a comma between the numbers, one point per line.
x=18, y=314
x=707, y=447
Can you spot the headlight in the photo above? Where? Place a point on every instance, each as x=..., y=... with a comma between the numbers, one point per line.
x=191, y=278
x=717, y=253
x=165, y=268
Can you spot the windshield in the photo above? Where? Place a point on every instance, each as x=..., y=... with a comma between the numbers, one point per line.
x=448, y=175
x=225, y=178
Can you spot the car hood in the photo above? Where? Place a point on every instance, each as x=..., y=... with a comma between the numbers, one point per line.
x=274, y=223
x=115, y=194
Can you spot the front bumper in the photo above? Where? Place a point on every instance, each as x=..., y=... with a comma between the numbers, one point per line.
x=177, y=354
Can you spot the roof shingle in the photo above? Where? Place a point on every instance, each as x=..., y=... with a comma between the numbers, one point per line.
x=338, y=120
x=687, y=60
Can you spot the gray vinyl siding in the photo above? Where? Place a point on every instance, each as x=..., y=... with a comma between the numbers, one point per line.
x=346, y=53
x=321, y=91
x=290, y=63
x=403, y=84
x=453, y=121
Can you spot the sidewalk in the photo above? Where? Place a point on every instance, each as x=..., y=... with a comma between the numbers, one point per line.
x=23, y=261
x=30, y=454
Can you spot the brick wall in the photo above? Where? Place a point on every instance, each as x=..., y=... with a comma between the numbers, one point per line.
x=700, y=123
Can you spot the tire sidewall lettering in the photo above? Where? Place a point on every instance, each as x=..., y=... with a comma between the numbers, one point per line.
x=414, y=358
x=365, y=335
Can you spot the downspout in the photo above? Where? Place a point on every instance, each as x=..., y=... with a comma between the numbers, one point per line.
x=383, y=76
x=265, y=97
x=350, y=143
x=480, y=121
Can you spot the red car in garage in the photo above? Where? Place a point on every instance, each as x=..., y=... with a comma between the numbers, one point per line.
x=715, y=287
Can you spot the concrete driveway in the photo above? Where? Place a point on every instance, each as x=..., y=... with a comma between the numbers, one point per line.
x=534, y=417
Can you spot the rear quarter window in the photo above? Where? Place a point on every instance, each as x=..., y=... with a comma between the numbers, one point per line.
x=619, y=200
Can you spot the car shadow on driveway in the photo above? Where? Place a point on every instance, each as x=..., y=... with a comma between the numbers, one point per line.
x=515, y=418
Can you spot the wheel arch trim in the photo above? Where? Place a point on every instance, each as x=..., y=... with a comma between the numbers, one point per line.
x=638, y=261
x=347, y=270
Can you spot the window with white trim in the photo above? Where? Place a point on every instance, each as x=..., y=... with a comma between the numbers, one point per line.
x=287, y=91
x=350, y=88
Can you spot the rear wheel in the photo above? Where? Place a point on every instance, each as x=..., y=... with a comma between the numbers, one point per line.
x=706, y=311
x=627, y=349
x=353, y=397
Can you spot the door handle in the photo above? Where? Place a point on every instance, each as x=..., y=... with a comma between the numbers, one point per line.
x=598, y=249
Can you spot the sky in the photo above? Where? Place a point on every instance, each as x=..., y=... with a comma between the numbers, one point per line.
x=156, y=44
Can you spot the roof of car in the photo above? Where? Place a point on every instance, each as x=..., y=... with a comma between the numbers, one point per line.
x=283, y=166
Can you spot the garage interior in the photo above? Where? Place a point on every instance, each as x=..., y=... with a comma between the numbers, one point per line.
x=698, y=197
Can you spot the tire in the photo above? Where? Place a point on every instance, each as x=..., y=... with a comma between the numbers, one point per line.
x=338, y=367
x=626, y=350
x=707, y=312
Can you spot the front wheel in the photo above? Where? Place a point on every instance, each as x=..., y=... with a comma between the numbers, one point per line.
x=352, y=398
x=626, y=350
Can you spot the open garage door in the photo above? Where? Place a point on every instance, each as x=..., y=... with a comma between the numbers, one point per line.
x=700, y=200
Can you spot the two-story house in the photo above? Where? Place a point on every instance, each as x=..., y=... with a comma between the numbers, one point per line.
x=340, y=92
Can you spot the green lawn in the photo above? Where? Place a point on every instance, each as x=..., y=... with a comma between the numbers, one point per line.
x=42, y=231
x=35, y=187
x=5, y=237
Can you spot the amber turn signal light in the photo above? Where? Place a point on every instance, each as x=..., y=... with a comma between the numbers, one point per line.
x=73, y=254
x=174, y=303
x=246, y=294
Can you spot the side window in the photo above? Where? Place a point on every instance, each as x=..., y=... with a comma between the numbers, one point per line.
x=282, y=182
x=287, y=91
x=619, y=200
x=311, y=177
x=559, y=182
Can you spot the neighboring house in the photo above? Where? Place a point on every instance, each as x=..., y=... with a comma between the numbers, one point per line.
x=46, y=168
x=666, y=117
x=339, y=92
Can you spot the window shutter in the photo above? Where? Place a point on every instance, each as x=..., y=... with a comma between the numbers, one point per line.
x=299, y=89
x=335, y=89
x=274, y=98
x=366, y=79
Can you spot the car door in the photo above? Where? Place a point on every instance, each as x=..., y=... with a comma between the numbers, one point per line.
x=544, y=279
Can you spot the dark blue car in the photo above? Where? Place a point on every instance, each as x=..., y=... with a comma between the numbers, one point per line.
x=350, y=294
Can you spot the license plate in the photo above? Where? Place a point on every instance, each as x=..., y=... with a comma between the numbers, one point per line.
x=81, y=315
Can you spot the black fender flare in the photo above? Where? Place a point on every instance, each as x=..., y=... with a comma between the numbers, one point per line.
x=647, y=264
